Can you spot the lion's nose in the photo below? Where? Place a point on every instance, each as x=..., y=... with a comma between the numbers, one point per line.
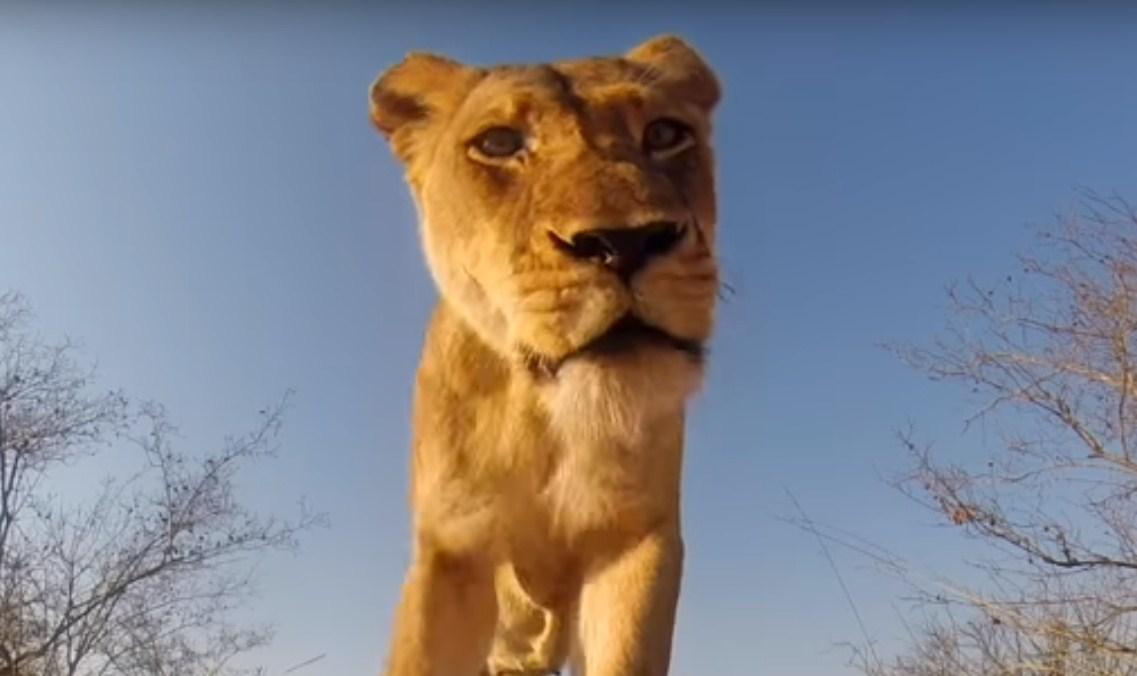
x=624, y=250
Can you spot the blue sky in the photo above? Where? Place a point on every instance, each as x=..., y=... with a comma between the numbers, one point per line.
x=195, y=193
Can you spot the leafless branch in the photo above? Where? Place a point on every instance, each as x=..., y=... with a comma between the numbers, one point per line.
x=141, y=578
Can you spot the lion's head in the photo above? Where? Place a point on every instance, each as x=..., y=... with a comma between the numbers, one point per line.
x=568, y=209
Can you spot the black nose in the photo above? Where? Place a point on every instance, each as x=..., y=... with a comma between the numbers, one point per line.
x=624, y=250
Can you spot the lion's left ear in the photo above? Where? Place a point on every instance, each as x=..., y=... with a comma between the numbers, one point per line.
x=411, y=94
x=678, y=61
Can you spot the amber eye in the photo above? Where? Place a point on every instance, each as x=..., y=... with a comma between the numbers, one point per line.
x=666, y=134
x=498, y=142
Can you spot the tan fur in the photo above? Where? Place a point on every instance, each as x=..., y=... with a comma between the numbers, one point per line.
x=546, y=500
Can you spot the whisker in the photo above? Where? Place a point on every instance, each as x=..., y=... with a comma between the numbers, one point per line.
x=547, y=310
x=726, y=292
x=694, y=277
x=558, y=290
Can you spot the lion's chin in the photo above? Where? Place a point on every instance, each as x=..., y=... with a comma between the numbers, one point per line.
x=630, y=333
x=627, y=339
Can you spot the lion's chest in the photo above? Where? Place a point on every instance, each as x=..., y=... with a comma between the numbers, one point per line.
x=594, y=487
x=616, y=430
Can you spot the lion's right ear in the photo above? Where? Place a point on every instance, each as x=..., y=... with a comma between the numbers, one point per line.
x=410, y=94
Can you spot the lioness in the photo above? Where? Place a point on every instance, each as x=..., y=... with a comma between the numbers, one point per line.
x=568, y=219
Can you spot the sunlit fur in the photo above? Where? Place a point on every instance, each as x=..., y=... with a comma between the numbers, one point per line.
x=545, y=480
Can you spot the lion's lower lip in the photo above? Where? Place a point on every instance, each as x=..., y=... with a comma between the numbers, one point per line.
x=624, y=336
x=631, y=332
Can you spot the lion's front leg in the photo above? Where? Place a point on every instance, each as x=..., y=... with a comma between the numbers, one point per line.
x=531, y=640
x=627, y=610
x=445, y=621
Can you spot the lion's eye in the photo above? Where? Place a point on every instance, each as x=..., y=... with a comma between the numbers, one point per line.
x=665, y=134
x=498, y=142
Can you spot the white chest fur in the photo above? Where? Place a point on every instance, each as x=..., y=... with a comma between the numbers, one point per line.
x=619, y=422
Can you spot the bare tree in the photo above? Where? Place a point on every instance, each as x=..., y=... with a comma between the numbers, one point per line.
x=1050, y=353
x=141, y=578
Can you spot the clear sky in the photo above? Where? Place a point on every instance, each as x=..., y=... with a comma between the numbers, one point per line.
x=195, y=193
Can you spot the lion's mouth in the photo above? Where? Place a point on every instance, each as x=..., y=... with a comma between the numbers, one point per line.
x=631, y=332
x=625, y=335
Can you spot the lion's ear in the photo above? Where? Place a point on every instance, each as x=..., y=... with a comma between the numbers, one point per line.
x=411, y=93
x=678, y=61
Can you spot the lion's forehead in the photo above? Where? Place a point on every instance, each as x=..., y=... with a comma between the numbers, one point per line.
x=600, y=72
x=580, y=75
x=587, y=86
